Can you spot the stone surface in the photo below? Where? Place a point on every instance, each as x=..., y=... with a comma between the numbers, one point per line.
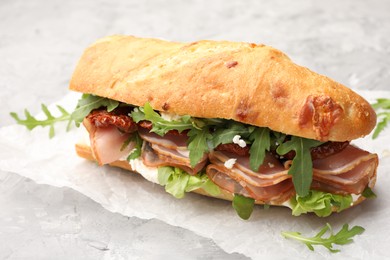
x=41, y=41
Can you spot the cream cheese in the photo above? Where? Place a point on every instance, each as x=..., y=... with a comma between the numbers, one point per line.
x=170, y=117
x=149, y=173
x=229, y=163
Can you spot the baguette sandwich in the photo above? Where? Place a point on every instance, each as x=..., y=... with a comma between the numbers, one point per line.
x=236, y=121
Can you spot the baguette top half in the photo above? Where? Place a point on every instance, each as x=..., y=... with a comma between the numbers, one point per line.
x=249, y=83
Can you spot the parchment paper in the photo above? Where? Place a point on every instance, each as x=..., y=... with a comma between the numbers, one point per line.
x=54, y=162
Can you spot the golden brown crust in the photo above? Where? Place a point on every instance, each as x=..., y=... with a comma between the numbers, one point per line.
x=250, y=83
x=85, y=151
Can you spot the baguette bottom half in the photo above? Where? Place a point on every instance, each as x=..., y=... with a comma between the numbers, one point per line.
x=84, y=151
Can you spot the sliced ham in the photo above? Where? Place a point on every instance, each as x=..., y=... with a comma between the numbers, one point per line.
x=107, y=143
x=343, y=161
x=218, y=176
x=348, y=172
x=270, y=169
x=266, y=176
x=271, y=194
x=169, y=140
x=270, y=183
x=155, y=158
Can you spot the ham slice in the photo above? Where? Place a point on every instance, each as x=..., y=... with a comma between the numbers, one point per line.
x=171, y=141
x=155, y=156
x=348, y=172
x=271, y=194
x=107, y=142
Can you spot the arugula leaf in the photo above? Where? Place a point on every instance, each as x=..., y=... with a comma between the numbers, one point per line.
x=243, y=206
x=344, y=236
x=197, y=144
x=90, y=102
x=162, y=126
x=321, y=203
x=85, y=105
x=137, y=114
x=276, y=139
x=177, y=182
x=224, y=135
x=31, y=122
x=368, y=193
x=261, y=143
x=302, y=165
x=381, y=104
x=382, y=124
x=138, y=145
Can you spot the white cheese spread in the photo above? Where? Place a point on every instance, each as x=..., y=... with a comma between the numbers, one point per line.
x=229, y=163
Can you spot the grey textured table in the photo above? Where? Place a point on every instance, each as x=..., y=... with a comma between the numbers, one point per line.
x=40, y=43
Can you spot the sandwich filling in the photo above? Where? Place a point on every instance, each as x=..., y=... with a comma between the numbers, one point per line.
x=247, y=161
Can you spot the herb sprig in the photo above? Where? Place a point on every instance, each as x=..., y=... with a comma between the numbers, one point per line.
x=343, y=237
x=382, y=105
x=31, y=122
x=302, y=165
x=85, y=105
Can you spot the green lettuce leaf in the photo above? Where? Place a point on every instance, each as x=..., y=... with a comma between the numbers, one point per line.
x=321, y=203
x=177, y=182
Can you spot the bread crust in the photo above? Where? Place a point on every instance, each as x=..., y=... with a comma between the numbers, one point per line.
x=85, y=151
x=246, y=82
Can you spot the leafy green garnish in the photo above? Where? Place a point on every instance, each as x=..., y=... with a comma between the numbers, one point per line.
x=368, y=193
x=138, y=145
x=261, y=143
x=243, y=206
x=177, y=182
x=197, y=144
x=226, y=133
x=31, y=122
x=321, y=203
x=344, y=236
x=382, y=104
x=84, y=106
x=87, y=103
x=302, y=165
x=160, y=125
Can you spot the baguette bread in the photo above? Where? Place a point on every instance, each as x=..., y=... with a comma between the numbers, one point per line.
x=84, y=151
x=249, y=83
